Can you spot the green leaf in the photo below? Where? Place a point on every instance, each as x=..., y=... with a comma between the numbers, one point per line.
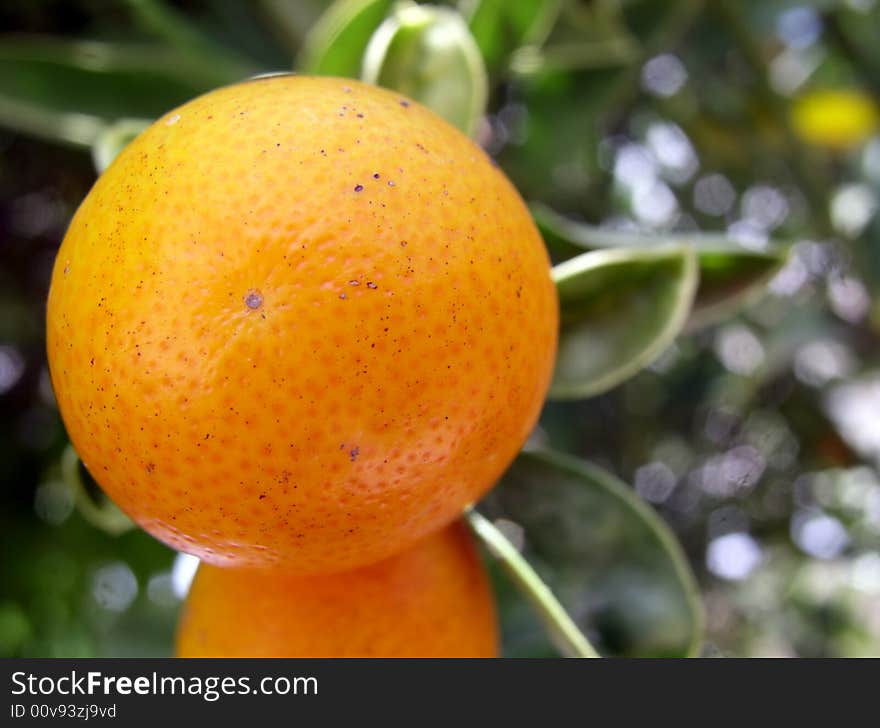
x=67, y=90
x=620, y=309
x=427, y=53
x=500, y=27
x=113, y=139
x=560, y=627
x=336, y=44
x=731, y=276
x=607, y=555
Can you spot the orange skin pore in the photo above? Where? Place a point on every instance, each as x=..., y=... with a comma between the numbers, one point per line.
x=301, y=321
x=433, y=600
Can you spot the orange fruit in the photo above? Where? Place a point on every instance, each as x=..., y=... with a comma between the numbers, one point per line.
x=432, y=600
x=300, y=320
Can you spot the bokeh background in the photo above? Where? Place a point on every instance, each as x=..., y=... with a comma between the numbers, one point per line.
x=757, y=439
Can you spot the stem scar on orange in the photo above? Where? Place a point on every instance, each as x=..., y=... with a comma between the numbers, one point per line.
x=300, y=320
x=432, y=600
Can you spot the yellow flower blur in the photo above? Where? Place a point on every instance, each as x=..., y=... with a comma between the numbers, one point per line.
x=839, y=119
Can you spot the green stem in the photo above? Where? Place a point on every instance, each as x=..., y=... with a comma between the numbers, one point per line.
x=564, y=632
x=107, y=516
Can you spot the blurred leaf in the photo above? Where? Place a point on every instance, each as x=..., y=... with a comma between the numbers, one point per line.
x=221, y=64
x=500, y=27
x=730, y=275
x=336, y=44
x=608, y=53
x=255, y=34
x=587, y=36
x=291, y=21
x=620, y=309
x=60, y=126
x=552, y=132
x=67, y=90
x=852, y=28
x=15, y=628
x=53, y=579
x=560, y=627
x=113, y=139
x=611, y=560
x=657, y=24
x=104, y=514
x=427, y=53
